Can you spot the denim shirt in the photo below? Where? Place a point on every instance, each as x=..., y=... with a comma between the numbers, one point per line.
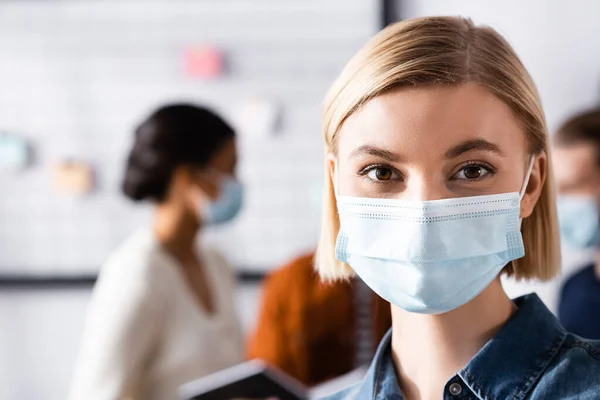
x=531, y=357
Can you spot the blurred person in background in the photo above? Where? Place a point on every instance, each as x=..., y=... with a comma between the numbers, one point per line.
x=162, y=312
x=317, y=331
x=438, y=181
x=577, y=166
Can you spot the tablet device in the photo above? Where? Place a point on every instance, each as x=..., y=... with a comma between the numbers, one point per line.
x=250, y=380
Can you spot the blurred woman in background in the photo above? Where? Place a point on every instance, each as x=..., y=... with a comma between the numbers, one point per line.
x=162, y=311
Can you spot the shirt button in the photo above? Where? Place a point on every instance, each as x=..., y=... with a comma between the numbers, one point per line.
x=455, y=389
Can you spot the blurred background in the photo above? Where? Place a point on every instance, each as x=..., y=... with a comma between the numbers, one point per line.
x=76, y=77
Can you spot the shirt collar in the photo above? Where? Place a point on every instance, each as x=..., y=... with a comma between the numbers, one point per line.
x=509, y=365
x=380, y=381
x=506, y=367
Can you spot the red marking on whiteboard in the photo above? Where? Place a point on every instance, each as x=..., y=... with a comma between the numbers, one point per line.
x=203, y=62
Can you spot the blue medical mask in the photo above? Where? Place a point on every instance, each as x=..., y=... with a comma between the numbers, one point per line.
x=579, y=221
x=430, y=257
x=227, y=205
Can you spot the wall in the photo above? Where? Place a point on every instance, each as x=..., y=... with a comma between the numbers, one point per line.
x=556, y=41
x=75, y=78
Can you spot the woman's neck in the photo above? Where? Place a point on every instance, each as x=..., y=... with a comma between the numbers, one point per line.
x=428, y=350
x=176, y=232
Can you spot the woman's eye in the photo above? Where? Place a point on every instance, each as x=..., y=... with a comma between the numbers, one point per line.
x=382, y=174
x=472, y=172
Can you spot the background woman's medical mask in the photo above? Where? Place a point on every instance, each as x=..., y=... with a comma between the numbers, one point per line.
x=579, y=221
x=226, y=206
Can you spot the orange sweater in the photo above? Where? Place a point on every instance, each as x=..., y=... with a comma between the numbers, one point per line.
x=307, y=328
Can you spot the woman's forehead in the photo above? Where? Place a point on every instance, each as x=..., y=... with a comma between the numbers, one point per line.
x=431, y=119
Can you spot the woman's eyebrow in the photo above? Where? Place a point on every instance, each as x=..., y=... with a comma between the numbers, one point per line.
x=377, y=152
x=470, y=145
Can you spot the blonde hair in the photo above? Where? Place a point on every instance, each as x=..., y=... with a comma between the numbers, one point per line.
x=443, y=51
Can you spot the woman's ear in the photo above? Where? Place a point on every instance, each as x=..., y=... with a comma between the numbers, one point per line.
x=331, y=166
x=537, y=179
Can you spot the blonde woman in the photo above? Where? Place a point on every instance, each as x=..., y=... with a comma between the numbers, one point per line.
x=439, y=181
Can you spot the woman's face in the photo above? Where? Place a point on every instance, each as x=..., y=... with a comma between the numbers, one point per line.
x=222, y=163
x=191, y=187
x=576, y=170
x=434, y=143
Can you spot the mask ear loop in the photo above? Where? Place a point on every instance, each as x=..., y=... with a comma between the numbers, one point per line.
x=335, y=179
x=524, y=188
x=527, y=176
